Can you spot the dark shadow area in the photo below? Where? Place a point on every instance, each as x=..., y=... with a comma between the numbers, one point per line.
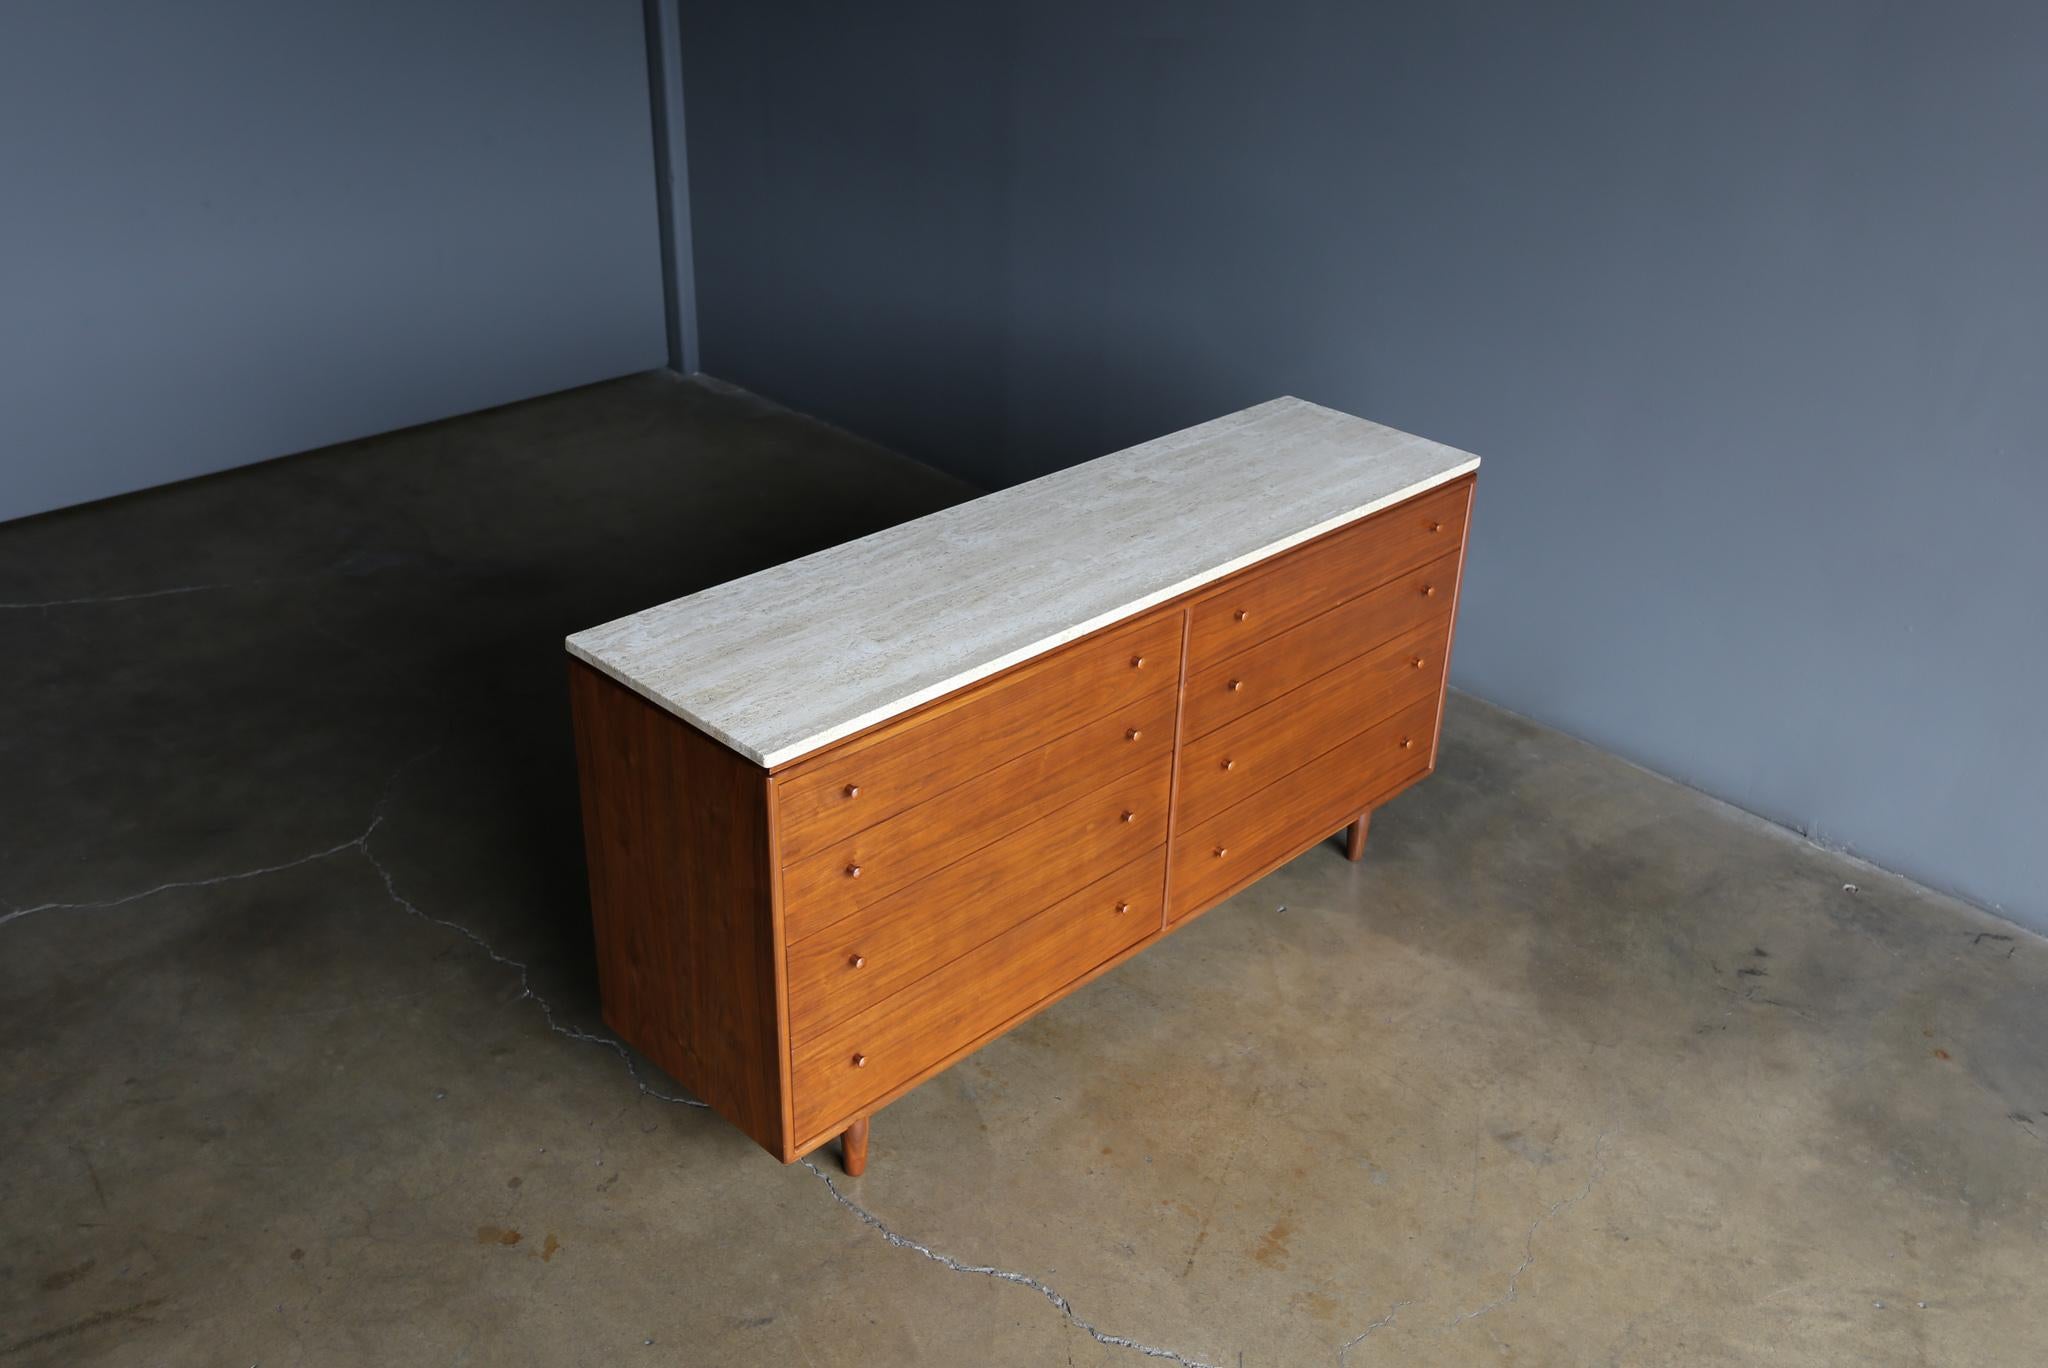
x=226, y=675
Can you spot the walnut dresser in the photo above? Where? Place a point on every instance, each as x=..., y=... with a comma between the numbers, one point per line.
x=854, y=816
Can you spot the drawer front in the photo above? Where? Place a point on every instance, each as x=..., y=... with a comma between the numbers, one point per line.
x=840, y=1070
x=890, y=945
x=1215, y=857
x=1229, y=689
x=1235, y=761
x=1267, y=600
x=861, y=870
x=823, y=800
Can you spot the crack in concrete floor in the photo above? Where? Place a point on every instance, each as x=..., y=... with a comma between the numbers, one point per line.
x=361, y=844
x=1065, y=1307
x=865, y=1216
x=526, y=989
x=1344, y=1353
x=343, y=570
x=1594, y=1173
x=171, y=592
x=1873, y=920
x=15, y=914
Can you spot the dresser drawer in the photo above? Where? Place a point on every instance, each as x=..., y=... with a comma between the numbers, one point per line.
x=1230, y=689
x=1136, y=741
x=823, y=800
x=884, y=948
x=1236, y=760
x=1240, y=843
x=841, y=1070
x=1311, y=579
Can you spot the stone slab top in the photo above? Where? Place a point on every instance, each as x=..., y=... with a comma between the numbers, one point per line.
x=786, y=661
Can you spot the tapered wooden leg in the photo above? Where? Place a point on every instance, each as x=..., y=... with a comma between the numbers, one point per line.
x=853, y=1148
x=1354, y=837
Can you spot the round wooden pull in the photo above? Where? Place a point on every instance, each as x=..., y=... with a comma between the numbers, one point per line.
x=1417, y=662
x=1240, y=615
x=853, y=871
x=1137, y=662
x=858, y=961
x=1221, y=851
x=853, y=790
x=1122, y=908
x=1429, y=591
x=1406, y=743
x=1230, y=764
x=1129, y=815
x=860, y=1061
x=1133, y=734
x=1436, y=527
x=1236, y=684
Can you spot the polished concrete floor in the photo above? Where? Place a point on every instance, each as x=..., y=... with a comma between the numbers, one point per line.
x=300, y=1060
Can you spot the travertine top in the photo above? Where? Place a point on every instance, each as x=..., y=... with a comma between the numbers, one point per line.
x=782, y=662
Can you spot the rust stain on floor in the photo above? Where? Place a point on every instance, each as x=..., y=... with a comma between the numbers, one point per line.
x=1272, y=1247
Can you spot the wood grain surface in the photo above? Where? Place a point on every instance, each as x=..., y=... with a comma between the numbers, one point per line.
x=838, y=1070
x=799, y=947
x=864, y=869
x=1228, y=689
x=1215, y=858
x=877, y=775
x=1267, y=745
x=676, y=836
x=1314, y=578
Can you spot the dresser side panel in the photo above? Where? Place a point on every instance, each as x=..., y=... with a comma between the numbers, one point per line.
x=678, y=838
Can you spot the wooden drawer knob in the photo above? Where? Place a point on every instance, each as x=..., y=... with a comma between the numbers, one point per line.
x=1406, y=742
x=1122, y=908
x=1240, y=615
x=853, y=871
x=1429, y=591
x=1133, y=734
x=853, y=790
x=860, y=1061
x=1436, y=527
x=858, y=961
x=1417, y=662
x=1230, y=764
x=1129, y=815
x=1137, y=662
x=1236, y=684
x=1221, y=851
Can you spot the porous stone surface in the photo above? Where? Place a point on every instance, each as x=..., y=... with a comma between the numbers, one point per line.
x=788, y=659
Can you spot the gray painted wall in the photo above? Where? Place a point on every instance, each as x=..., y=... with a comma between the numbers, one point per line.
x=1745, y=303
x=233, y=229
